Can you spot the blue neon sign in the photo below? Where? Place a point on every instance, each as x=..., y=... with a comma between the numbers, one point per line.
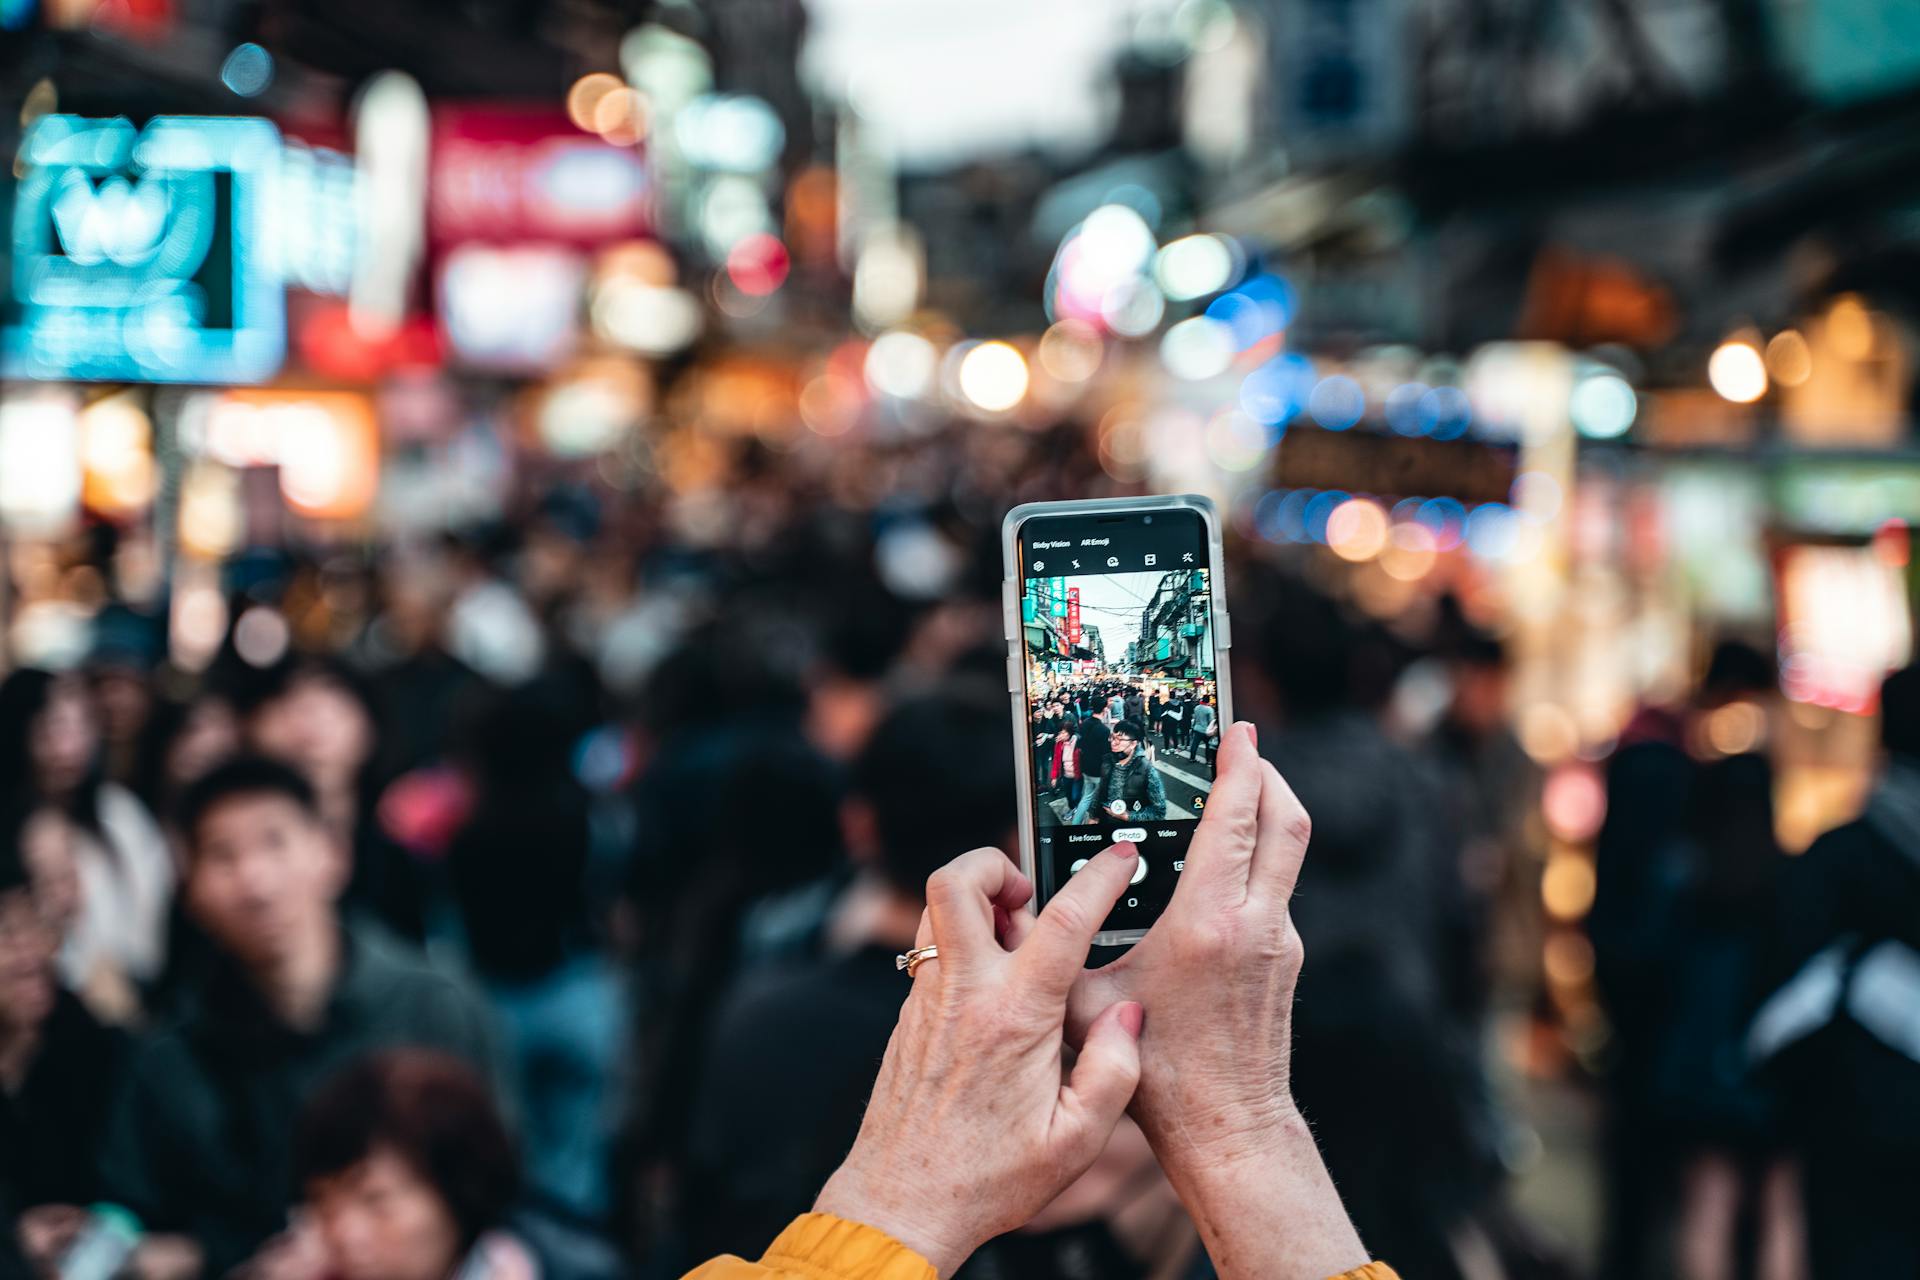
x=144, y=255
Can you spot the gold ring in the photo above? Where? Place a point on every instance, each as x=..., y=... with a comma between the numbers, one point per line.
x=911, y=960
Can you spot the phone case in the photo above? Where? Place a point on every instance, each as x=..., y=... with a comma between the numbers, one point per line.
x=1010, y=593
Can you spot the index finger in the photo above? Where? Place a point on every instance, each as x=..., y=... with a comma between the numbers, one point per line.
x=961, y=898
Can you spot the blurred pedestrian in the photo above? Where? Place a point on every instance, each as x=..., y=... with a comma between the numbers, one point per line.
x=199, y=1138
x=58, y=1065
x=1641, y=870
x=50, y=756
x=518, y=870
x=317, y=716
x=1839, y=1035
x=1204, y=731
x=405, y=1170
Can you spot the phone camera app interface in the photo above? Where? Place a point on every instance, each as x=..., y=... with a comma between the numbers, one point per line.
x=1122, y=700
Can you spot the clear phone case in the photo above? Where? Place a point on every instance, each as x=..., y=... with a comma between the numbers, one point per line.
x=1010, y=593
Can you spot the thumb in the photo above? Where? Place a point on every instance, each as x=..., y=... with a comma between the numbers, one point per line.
x=1103, y=1078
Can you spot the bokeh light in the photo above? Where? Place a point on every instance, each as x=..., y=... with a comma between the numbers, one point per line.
x=1337, y=402
x=1789, y=358
x=1357, y=529
x=1071, y=351
x=993, y=376
x=1235, y=441
x=247, y=71
x=1602, y=406
x=758, y=265
x=1195, y=266
x=584, y=98
x=1197, y=348
x=901, y=365
x=1738, y=372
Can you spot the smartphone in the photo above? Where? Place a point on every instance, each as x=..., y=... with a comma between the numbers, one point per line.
x=1117, y=639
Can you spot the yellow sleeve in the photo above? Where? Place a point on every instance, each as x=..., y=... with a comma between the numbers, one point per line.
x=819, y=1246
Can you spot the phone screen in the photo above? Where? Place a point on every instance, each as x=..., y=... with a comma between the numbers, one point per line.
x=1122, y=700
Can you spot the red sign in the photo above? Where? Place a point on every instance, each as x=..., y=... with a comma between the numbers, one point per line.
x=515, y=174
x=1073, y=616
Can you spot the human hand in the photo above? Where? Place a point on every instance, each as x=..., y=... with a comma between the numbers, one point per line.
x=970, y=1131
x=166, y=1257
x=1217, y=970
x=1216, y=975
x=46, y=1231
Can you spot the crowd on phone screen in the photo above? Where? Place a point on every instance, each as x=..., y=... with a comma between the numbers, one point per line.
x=533, y=911
x=1096, y=747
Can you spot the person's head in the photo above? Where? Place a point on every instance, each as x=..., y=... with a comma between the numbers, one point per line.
x=44, y=837
x=263, y=871
x=27, y=945
x=404, y=1163
x=1735, y=672
x=316, y=719
x=207, y=732
x=935, y=780
x=49, y=733
x=1479, y=671
x=1126, y=737
x=1900, y=714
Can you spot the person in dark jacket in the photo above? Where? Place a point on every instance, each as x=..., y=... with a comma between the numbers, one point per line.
x=1130, y=790
x=1839, y=1036
x=200, y=1134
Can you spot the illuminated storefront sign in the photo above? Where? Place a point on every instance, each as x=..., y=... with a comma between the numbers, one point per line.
x=142, y=255
x=1073, y=616
x=502, y=174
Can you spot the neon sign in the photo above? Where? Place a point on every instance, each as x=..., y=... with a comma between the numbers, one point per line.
x=143, y=255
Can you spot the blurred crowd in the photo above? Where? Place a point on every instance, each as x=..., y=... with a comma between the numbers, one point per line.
x=524, y=903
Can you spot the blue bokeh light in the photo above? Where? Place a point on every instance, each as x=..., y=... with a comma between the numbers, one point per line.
x=1337, y=402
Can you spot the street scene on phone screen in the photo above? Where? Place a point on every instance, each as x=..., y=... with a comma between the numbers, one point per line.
x=1122, y=704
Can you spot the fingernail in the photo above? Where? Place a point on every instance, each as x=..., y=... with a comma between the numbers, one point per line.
x=1133, y=1015
x=1253, y=734
x=1126, y=848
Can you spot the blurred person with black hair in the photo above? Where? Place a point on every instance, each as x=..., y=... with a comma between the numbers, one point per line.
x=1838, y=1036
x=1492, y=791
x=200, y=1134
x=518, y=871
x=727, y=760
x=1643, y=869
x=184, y=738
x=1094, y=741
x=316, y=715
x=405, y=1169
x=759, y=1156
x=58, y=1065
x=50, y=757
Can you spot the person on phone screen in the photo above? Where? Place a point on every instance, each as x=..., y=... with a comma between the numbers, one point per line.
x=1131, y=790
x=1203, y=730
x=1096, y=756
